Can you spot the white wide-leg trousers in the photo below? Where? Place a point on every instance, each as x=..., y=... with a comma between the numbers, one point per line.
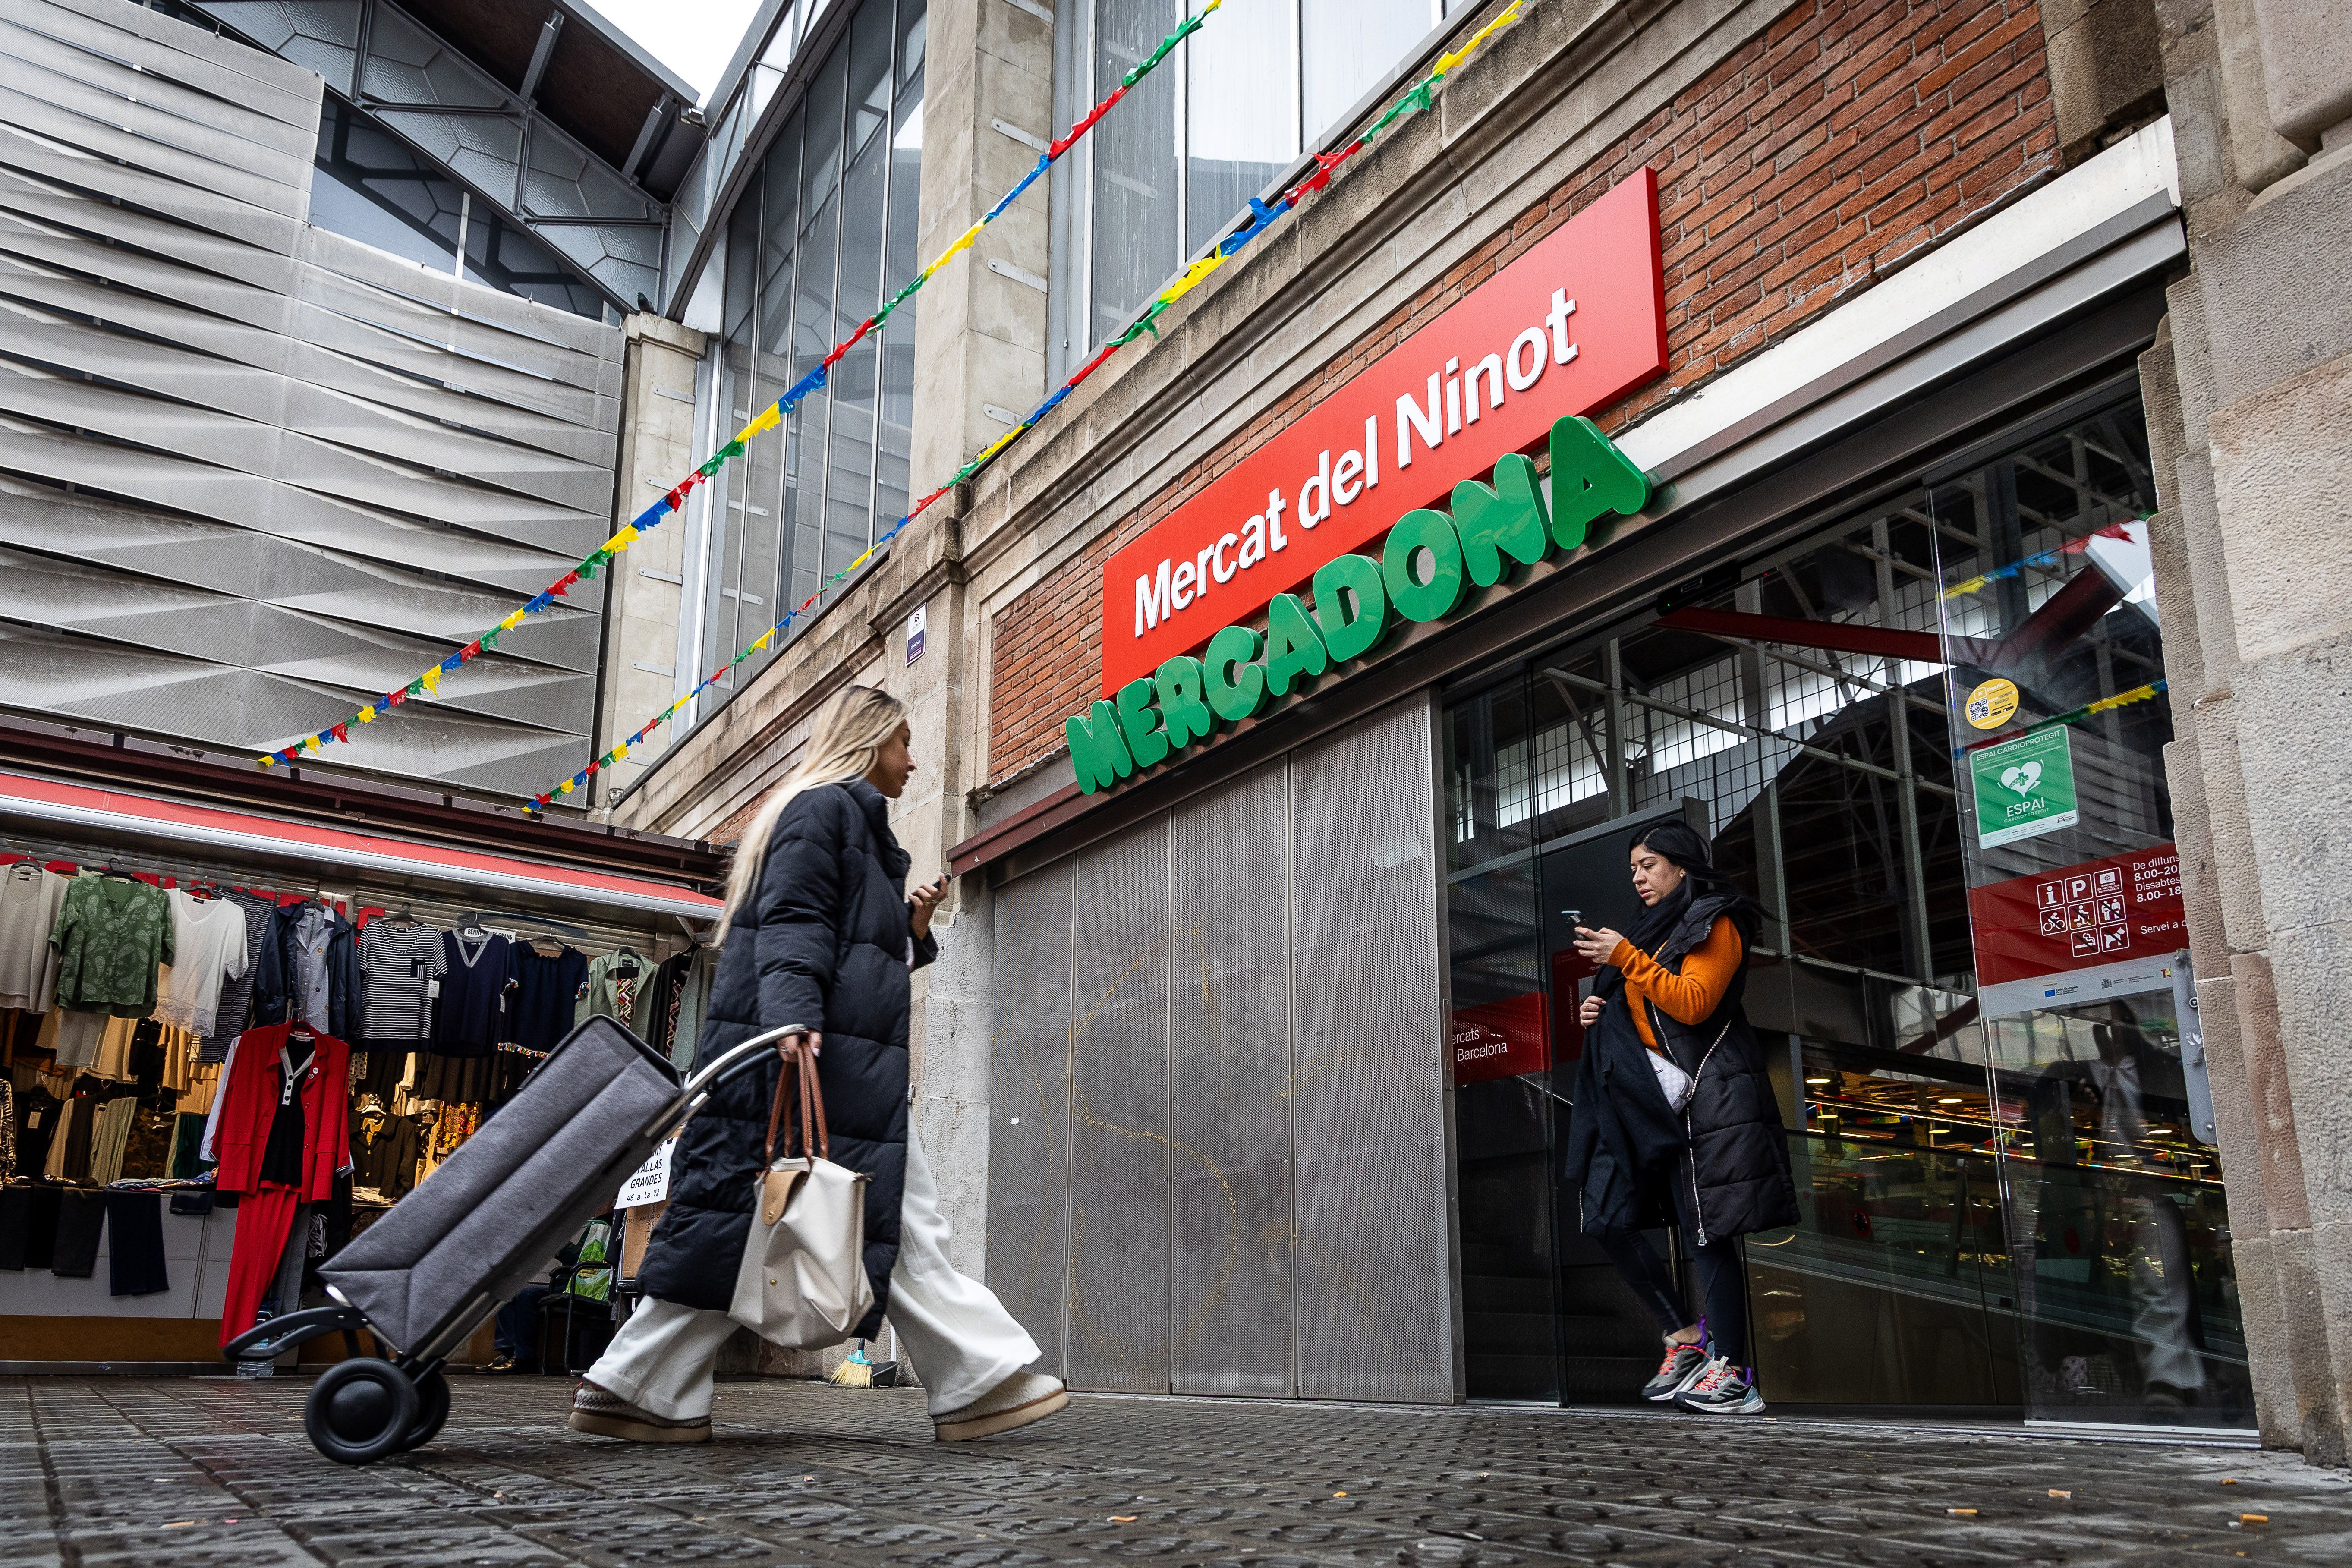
x=960, y=1337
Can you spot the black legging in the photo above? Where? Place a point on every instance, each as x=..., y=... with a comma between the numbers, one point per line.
x=1721, y=1281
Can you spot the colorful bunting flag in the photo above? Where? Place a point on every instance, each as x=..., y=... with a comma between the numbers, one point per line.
x=1262, y=215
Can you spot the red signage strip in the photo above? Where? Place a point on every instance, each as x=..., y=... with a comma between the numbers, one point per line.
x=1567, y=329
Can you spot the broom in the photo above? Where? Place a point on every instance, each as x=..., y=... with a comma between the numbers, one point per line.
x=854, y=1371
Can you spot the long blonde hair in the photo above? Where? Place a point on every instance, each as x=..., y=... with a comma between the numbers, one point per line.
x=850, y=731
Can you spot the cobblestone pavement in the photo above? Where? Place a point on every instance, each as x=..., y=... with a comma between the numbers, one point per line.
x=111, y=1470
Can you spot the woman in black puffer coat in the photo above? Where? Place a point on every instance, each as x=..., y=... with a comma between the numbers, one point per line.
x=1675, y=1116
x=820, y=938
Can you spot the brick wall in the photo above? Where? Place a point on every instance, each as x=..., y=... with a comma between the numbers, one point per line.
x=1825, y=150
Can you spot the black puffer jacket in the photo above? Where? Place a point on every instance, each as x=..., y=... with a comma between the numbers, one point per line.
x=823, y=940
x=1732, y=1178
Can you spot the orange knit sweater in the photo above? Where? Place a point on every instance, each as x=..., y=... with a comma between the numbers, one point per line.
x=1689, y=997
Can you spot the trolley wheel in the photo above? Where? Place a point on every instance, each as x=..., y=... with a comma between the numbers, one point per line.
x=359, y=1411
x=432, y=1409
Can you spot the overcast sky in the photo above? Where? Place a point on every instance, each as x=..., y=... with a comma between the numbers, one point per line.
x=694, y=38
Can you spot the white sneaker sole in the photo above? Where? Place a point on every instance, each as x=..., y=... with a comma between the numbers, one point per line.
x=951, y=1429
x=1668, y=1396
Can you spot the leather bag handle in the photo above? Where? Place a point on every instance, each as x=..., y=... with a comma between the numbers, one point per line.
x=798, y=1062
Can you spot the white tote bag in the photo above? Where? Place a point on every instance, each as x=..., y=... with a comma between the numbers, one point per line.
x=803, y=1280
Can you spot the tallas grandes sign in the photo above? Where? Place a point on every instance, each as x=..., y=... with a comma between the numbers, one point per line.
x=1567, y=329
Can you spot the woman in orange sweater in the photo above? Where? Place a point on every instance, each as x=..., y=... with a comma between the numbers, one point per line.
x=1703, y=1121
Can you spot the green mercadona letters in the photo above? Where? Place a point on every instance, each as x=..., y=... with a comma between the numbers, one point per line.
x=1429, y=562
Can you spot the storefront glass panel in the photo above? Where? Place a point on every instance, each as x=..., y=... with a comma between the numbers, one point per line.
x=2119, y=1232
x=1797, y=707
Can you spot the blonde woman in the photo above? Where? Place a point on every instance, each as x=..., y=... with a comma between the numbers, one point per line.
x=822, y=936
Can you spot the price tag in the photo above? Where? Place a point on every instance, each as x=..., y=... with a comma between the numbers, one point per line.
x=649, y=1184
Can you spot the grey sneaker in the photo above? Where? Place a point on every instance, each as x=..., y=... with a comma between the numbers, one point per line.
x=1023, y=1397
x=1681, y=1367
x=607, y=1414
x=1722, y=1389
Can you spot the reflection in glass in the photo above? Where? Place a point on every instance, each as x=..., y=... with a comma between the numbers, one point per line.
x=736, y=386
x=2119, y=1225
x=1241, y=120
x=833, y=206
x=895, y=451
x=1134, y=164
x=1347, y=46
x=2009, y=1199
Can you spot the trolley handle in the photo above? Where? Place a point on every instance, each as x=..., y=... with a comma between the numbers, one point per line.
x=727, y=1064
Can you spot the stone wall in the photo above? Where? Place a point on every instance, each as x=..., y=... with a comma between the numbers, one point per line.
x=2250, y=400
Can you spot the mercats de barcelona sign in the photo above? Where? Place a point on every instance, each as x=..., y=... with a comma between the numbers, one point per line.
x=1445, y=418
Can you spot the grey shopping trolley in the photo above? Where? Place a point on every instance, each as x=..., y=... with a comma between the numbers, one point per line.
x=437, y=1265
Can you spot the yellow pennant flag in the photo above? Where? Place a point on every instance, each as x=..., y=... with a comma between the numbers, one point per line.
x=621, y=752
x=367, y=714
x=433, y=681
x=963, y=243
x=511, y=622
x=1194, y=275
x=1445, y=63
x=762, y=643
x=767, y=419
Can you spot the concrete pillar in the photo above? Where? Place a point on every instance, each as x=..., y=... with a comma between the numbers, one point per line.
x=646, y=585
x=949, y=1035
x=980, y=335
x=2250, y=402
x=980, y=339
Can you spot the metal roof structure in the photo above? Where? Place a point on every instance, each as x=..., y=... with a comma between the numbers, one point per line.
x=546, y=110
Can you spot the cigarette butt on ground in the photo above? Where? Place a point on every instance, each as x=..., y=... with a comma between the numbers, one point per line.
x=2056, y=1492
x=2253, y=1519
x=1961, y=1512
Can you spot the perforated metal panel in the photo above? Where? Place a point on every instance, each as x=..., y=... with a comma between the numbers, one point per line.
x=1229, y=1105
x=1374, y=1279
x=1028, y=1141
x=1119, y=1114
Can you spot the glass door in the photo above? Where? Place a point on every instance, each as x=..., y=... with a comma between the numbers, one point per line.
x=2110, y=1185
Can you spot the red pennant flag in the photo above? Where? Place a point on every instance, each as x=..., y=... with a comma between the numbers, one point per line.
x=471, y=650
x=677, y=497
x=341, y=731
x=569, y=578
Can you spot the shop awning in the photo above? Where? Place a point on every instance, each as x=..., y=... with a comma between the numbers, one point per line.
x=222, y=828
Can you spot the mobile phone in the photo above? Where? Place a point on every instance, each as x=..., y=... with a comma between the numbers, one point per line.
x=1574, y=918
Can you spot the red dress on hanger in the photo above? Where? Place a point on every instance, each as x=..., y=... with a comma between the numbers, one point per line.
x=302, y=1170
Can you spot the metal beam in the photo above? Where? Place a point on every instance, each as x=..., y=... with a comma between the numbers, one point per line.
x=548, y=33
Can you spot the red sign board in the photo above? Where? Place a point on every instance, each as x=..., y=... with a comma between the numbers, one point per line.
x=2116, y=910
x=1501, y=1039
x=1569, y=328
